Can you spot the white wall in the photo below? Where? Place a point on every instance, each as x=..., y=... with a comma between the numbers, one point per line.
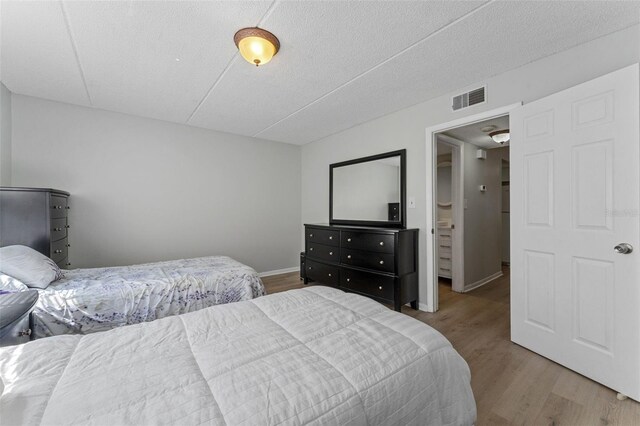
x=147, y=190
x=406, y=128
x=483, y=215
x=5, y=136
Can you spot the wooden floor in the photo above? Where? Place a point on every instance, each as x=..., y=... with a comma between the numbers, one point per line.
x=511, y=384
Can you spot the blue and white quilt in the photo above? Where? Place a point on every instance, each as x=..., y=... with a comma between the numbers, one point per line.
x=99, y=299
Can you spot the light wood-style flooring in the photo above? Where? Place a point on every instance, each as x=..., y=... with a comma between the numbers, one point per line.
x=512, y=385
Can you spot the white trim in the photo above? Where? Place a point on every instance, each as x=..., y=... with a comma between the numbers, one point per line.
x=485, y=280
x=423, y=307
x=432, y=279
x=457, y=212
x=278, y=271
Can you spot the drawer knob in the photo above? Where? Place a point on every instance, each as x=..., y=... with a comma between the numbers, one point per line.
x=68, y=264
x=330, y=237
x=310, y=235
x=381, y=243
x=348, y=256
x=26, y=332
x=68, y=208
x=382, y=262
x=67, y=226
x=348, y=280
x=380, y=288
x=310, y=268
x=58, y=251
x=348, y=240
x=329, y=274
x=57, y=229
x=310, y=248
x=330, y=253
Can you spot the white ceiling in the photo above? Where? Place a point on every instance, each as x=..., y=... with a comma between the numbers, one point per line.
x=341, y=63
x=473, y=134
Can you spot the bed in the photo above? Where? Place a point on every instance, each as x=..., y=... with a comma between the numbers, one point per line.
x=313, y=356
x=99, y=299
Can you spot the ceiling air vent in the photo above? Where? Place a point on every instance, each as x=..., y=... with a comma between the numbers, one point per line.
x=473, y=97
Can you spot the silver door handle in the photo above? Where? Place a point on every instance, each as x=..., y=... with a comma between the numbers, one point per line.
x=623, y=248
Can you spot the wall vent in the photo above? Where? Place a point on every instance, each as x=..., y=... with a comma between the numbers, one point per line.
x=472, y=97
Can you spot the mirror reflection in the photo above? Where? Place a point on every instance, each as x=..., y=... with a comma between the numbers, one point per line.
x=367, y=191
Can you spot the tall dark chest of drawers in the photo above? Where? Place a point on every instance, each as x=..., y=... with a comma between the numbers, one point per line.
x=376, y=262
x=36, y=217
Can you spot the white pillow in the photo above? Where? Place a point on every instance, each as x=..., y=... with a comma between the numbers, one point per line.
x=34, y=269
x=8, y=283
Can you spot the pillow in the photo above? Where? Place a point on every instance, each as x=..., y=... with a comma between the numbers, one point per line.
x=34, y=269
x=10, y=284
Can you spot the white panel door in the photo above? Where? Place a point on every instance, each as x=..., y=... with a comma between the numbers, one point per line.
x=575, y=189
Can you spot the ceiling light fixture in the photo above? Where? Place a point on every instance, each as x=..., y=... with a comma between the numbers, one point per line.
x=500, y=136
x=256, y=45
x=488, y=129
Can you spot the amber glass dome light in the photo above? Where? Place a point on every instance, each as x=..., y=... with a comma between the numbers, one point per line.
x=256, y=45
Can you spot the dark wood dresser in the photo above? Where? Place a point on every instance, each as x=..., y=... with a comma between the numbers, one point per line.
x=37, y=218
x=376, y=262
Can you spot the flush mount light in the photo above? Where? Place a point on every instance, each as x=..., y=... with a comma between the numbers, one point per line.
x=488, y=129
x=500, y=136
x=256, y=45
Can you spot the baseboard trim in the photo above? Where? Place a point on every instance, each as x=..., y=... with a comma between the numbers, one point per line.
x=278, y=271
x=483, y=281
x=423, y=307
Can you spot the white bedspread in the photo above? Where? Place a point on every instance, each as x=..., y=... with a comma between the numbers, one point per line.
x=311, y=356
x=99, y=299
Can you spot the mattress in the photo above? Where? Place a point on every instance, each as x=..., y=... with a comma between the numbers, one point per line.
x=99, y=299
x=313, y=356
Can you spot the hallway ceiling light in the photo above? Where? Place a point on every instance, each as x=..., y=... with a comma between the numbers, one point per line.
x=500, y=136
x=256, y=45
x=488, y=129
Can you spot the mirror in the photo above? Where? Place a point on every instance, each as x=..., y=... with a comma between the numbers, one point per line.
x=369, y=191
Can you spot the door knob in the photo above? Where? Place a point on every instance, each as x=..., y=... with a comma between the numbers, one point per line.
x=623, y=248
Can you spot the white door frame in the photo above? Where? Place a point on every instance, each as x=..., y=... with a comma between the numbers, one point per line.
x=457, y=211
x=431, y=168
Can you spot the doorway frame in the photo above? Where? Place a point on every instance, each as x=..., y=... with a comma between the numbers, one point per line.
x=457, y=209
x=430, y=176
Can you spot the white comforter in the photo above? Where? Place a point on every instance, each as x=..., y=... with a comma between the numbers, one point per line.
x=312, y=356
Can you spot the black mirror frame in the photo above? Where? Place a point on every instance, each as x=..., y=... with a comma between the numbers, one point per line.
x=402, y=224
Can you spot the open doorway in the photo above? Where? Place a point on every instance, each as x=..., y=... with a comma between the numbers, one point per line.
x=470, y=198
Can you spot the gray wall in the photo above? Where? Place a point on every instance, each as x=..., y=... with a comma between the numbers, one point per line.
x=406, y=128
x=5, y=136
x=147, y=190
x=483, y=215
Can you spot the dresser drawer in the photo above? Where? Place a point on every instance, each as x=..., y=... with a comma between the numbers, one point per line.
x=444, y=244
x=322, y=236
x=58, y=228
x=444, y=255
x=382, y=243
x=58, y=206
x=59, y=250
x=368, y=283
x=322, y=273
x=64, y=263
x=365, y=259
x=444, y=272
x=323, y=252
